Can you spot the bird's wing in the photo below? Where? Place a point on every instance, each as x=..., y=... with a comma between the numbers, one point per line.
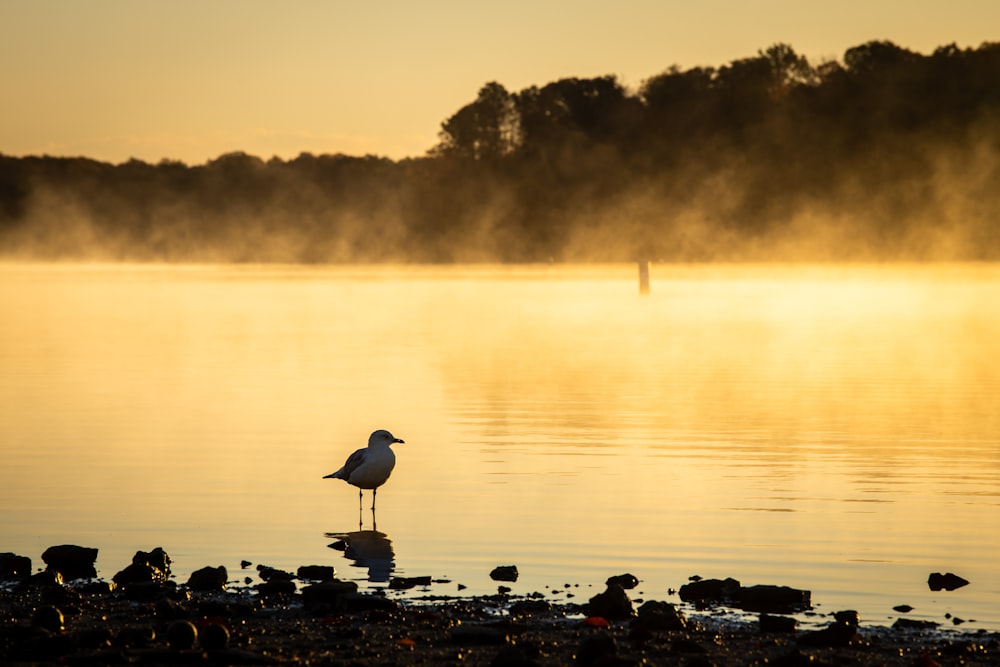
x=353, y=462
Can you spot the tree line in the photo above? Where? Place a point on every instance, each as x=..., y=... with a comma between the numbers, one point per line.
x=886, y=154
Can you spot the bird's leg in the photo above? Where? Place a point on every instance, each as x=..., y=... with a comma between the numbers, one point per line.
x=373, y=499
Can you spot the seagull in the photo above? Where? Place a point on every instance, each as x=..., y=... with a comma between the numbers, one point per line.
x=370, y=467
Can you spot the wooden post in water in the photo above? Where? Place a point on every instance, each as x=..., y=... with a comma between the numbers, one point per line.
x=644, y=277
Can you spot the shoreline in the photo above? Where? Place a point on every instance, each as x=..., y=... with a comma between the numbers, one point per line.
x=143, y=617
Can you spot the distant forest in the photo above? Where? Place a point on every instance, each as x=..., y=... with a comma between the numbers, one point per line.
x=886, y=154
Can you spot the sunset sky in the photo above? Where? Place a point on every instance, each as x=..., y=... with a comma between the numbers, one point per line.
x=192, y=79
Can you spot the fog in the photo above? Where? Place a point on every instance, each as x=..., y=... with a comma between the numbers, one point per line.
x=884, y=155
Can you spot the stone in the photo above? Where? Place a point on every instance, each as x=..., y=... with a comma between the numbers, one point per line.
x=152, y=567
x=72, y=561
x=208, y=579
x=612, y=604
x=596, y=646
x=406, y=583
x=903, y=608
x=657, y=615
x=849, y=616
x=835, y=634
x=914, y=624
x=13, y=566
x=182, y=635
x=774, y=599
x=711, y=590
x=213, y=637
x=504, y=573
x=270, y=573
x=276, y=588
x=512, y=656
x=626, y=581
x=769, y=623
x=947, y=582
x=49, y=618
x=316, y=572
x=327, y=594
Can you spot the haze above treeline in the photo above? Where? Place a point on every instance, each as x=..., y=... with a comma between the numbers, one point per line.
x=886, y=154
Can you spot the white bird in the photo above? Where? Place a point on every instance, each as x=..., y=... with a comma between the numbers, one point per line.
x=370, y=467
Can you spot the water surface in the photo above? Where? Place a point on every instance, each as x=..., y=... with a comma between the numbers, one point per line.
x=830, y=428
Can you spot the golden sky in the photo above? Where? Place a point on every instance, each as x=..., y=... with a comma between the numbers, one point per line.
x=193, y=79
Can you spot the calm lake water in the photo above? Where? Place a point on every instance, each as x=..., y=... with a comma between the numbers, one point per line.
x=829, y=428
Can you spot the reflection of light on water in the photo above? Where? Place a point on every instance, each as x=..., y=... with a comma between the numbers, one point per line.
x=369, y=549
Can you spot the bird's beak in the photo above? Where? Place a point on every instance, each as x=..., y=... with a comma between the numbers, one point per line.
x=398, y=440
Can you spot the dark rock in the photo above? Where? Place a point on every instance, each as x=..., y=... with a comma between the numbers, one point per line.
x=46, y=579
x=467, y=635
x=769, y=623
x=152, y=567
x=244, y=564
x=836, y=634
x=611, y=604
x=849, y=616
x=98, y=587
x=626, y=581
x=144, y=591
x=775, y=599
x=135, y=637
x=903, y=608
x=48, y=617
x=327, y=594
x=208, y=579
x=596, y=646
x=316, y=572
x=213, y=636
x=714, y=590
x=355, y=603
x=503, y=590
x=406, y=583
x=504, y=573
x=271, y=573
x=182, y=635
x=656, y=615
x=13, y=566
x=527, y=607
x=948, y=582
x=913, y=624
x=72, y=561
x=276, y=588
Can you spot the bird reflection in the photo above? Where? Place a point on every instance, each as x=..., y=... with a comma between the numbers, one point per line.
x=368, y=549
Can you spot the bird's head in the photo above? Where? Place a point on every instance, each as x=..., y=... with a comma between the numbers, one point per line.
x=382, y=437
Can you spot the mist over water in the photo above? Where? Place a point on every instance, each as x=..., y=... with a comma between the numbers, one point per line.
x=825, y=427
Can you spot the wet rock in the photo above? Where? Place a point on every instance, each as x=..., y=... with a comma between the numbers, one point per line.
x=848, y=616
x=13, y=566
x=135, y=637
x=50, y=618
x=152, y=567
x=98, y=587
x=213, y=636
x=316, y=572
x=359, y=603
x=903, y=608
x=504, y=573
x=276, y=588
x=769, y=623
x=711, y=590
x=406, y=583
x=327, y=595
x=835, y=634
x=948, y=581
x=528, y=607
x=46, y=579
x=913, y=624
x=774, y=599
x=182, y=635
x=596, y=646
x=656, y=615
x=208, y=579
x=626, y=581
x=144, y=591
x=271, y=573
x=688, y=646
x=74, y=562
x=612, y=604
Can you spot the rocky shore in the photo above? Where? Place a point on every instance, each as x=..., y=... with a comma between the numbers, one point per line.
x=65, y=615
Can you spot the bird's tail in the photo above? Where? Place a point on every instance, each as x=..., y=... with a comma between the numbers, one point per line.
x=334, y=475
